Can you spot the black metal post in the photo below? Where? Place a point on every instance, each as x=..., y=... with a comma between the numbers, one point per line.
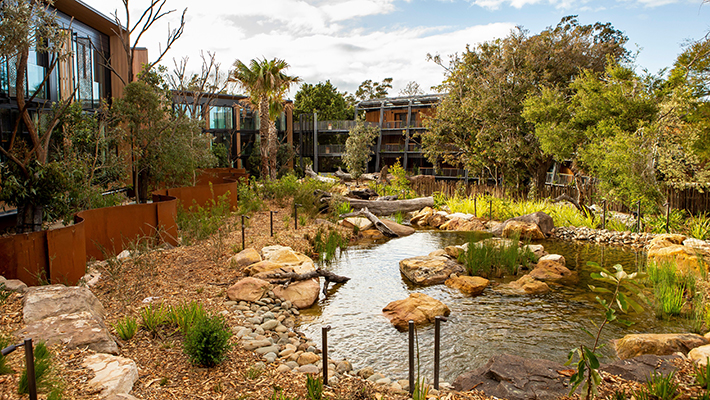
x=490, y=210
x=324, y=331
x=271, y=219
x=668, y=217
x=475, y=211
x=29, y=362
x=437, y=348
x=411, y=357
x=638, y=217
x=295, y=215
x=604, y=217
x=244, y=243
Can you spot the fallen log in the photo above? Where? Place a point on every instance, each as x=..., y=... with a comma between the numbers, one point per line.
x=389, y=207
x=309, y=172
x=347, y=177
x=285, y=278
x=379, y=225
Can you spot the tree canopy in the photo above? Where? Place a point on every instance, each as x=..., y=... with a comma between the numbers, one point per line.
x=369, y=90
x=324, y=99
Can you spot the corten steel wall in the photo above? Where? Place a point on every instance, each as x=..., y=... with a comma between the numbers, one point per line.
x=60, y=255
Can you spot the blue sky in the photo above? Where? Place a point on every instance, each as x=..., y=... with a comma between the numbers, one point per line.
x=348, y=41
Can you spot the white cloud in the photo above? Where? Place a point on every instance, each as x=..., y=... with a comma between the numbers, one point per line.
x=563, y=4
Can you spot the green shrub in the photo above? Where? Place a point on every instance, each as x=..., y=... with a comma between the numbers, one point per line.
x=199, y=223
x=5, y=340
x=314, y=385
x=670, y=288
x=44, y=373
x=702, y=374
x=659, y=387
x=207, y=341
x=152, y=318
x=249, y=199
x=184, y=315
x=280, y=189
x=326, y=243
x=698, y=226
x=491, y=259
x=657, y=223
x=126, y=328
x=399, y=185
x=219, y=150
x=4, y=293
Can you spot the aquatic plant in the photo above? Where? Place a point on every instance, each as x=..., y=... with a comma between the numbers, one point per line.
x=494, y=259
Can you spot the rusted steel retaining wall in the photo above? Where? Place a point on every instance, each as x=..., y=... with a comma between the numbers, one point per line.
x=60, y=255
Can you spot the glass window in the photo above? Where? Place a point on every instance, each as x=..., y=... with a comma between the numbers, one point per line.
x=221, y=117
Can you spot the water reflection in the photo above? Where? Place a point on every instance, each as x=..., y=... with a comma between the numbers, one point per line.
x=544, y=326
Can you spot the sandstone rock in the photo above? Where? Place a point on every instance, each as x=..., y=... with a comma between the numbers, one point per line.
x=400, y=230
x=438, y=253
x=685, y=258
x=700, y=354
x=301, y=294
x=265, y=274
x=343, y=367
x=524, y=285
x=548, y=270
x=523, y=230
x=454, y=251
x=308, y=358
x=261, y=266
x=665, y=240
x=248, y=289
x=452, y=224
x=75, y=330
x=542, y=220
x=659, y=344
x=537, y=249
x=437, y=219
x=308, y=369
x=556, y=258
x=417, y=307
x=422, y=216
x=113, y=375
x=511, y=377
x=286, y=256
x=425, y=270
x=471, y=285
x=366, y=372
x=41, y=302
x=244, y=258
x=13, y=285
x=372, y=234
x=472, y=225
x=640, y=368
x=361, y=223
x=698, y=246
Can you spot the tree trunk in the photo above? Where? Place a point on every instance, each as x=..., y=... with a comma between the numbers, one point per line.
x=389, y=207
x=264, y=137
x=310, y=173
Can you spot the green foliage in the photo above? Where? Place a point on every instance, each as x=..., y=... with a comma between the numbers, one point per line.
x=369, y=90
x=306, y=195
x=326, y=243
x=670, y=288
x=249, y=200
x=324, y=99
x=199, y=223
x=398, y=217
x=624, y=288
x=4, y=293
x=659, y=387
x=314, y=386
x=220, y=152
x=254, y=372
x=656, y=223
x=126, y=328
x=342, y=207
x=44, y=373
x=421, y=390
x=399, y=186
x=702, y=374
x=699, y=226
x=5, y=340
x=152, y=318
x=279, y=395
x=185, y=315
x=358, y=148
x=490, y=259
x=207, y=342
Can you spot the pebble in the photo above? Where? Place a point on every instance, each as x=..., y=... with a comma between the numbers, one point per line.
x=603, y=236
x=375, y=377
x=269, y=325
x=283, y=368
x=268, y=349
x=292, y=364
x=270, y=357
x=308, y=369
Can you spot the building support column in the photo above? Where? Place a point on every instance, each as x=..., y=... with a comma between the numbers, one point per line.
x=379, y=138
x=315, y=142
x=406, y=135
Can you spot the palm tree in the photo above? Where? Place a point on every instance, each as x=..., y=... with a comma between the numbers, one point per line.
x=266, y=84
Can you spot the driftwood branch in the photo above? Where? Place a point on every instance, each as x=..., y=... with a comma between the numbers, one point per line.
x=375, y=221
x=389, y=207
x=309, y=171
x=283, y=277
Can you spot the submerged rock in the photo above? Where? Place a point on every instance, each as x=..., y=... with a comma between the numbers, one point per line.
x=427, y=270
x=471, y=285
x=418, y=307
x=526, y=285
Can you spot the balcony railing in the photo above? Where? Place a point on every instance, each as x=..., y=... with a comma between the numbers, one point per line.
x=559, y=179
x=398, y=148
x=400, y=124
x=445, y=172
x=331, y=149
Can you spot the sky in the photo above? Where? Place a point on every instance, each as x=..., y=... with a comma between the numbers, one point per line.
x=349, y=41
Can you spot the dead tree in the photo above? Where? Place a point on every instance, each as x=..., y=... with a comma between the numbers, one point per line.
x=379, y=225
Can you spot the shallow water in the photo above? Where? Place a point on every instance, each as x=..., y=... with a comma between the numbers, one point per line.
x=545, y=326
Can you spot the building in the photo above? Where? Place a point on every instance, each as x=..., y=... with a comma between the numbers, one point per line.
x=400, y=123
x=232, y=122
x=93, y=41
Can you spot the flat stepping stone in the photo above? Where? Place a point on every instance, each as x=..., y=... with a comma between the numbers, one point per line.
x=113, y=375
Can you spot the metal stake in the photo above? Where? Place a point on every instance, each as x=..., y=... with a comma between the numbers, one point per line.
x=475, y=211
x=411, y=356
x=30, y=364
x=490, y=210
x=295, y=215
x=324, y=332
x=668, y=217
x=244, y=243
x=271, y=219
x=638, y=218
x=437, y=350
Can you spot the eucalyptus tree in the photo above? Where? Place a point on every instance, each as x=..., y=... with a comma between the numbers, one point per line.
x=266, y=84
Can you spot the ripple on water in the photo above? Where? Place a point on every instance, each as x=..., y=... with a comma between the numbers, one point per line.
x=544, y=326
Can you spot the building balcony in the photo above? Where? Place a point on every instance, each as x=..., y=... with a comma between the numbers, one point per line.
x=393, y=148
x=331, y=149
x=444, y=172
x=400, y=124
x=559, y=179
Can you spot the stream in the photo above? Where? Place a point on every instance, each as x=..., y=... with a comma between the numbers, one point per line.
x=545, y=326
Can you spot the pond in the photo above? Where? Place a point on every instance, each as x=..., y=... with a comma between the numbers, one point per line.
x=544, y=326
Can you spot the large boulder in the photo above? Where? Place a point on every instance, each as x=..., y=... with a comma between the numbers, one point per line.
x=244, y=258
x=523, y=230
x=372, y=234
x=261, y=266
x=399, y=229
x=659, y=344
x=541, y=219
x=248, y=289
x=359, y=223
x=516, y=378
x=112, y=375
x=301, y=294
x=420, y=218
x=71, y=316
x=549, y=270
x=418, y=307
x=526, y=285
x=685, y=258
x=426, y=270
x=286, y=256
x=700, y=355
x=471, y=285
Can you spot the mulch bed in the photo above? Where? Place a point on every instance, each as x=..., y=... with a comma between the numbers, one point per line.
x=200, y=272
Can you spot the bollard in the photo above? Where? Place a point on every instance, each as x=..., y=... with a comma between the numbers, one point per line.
x=271, y=219
x=295, y=215
x=604, y=217
x=668, y=217
x=244, y=243
x=324, y=332
x=638, y=218
x=437, y=348
x=411, y=356
x=30, y=365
